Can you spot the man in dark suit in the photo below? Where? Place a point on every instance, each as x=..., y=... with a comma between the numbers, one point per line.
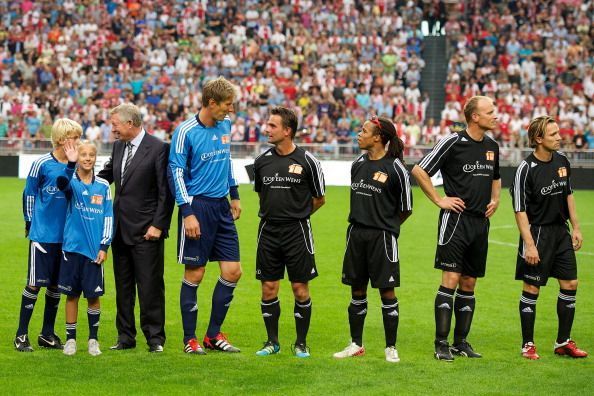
x=142, y=211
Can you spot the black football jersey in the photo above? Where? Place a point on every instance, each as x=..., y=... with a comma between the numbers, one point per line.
x=468, y=168
x=541, y=188
x=287, y=184
x=380, y=190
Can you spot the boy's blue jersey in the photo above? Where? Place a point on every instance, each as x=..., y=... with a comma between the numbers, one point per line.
x=44, y=205
x=89, y=217
x=200, y=160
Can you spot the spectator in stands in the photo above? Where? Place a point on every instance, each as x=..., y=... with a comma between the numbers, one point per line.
x=164, y=56
x=93, y=132
x=517, y=46
x=3, y=127
x=429, y=132
x=579, y=140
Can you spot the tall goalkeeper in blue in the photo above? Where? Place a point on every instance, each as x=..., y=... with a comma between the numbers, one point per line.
x=87, y=236
x=44, y=209
x=202, y=174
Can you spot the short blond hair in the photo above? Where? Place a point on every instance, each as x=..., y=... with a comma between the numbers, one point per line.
x=128, y=112
x=471, y=106
x=219, y=90
x=85, y=143
x=65, y=128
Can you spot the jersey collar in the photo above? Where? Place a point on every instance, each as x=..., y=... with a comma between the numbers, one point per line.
x=202, y=124
x=80, y=180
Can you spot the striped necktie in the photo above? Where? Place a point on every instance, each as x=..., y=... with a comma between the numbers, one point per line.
x=128, y=159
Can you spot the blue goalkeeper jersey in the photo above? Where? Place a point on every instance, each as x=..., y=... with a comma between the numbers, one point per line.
x=89, y=217
x=200, y=160
x=44, y=205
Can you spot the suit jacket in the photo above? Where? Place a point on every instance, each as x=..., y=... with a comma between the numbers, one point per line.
x=144, y=199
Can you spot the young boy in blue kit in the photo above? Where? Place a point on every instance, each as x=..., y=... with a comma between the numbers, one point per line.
x=44, y=210
x=87, y=236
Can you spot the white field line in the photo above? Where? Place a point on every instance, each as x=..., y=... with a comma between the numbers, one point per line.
x=507, y=226
x=515, y=245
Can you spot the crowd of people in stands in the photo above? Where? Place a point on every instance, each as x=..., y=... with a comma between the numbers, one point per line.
x=334, y=63
x=533, y=57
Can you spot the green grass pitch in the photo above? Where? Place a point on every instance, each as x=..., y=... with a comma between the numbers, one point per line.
x=495, y=332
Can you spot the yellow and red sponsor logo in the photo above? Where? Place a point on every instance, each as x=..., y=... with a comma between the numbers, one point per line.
x=490, y=156
x=296, y=169
x=562, y=171
x=97, y=199
x=225, y=139
x=380, y=177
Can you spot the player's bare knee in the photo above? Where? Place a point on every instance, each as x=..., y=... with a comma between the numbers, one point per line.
x=232, y=275
x=269, y=290
x=568, y=284
x=35, y=288
x=194, y=274
x=72, y=299
x=450, y=279
x=531, y=288
x=387, y=293
x=358, y=292
x=467, y=283
x=93, y=302
x=268, y=295
x=300, y=291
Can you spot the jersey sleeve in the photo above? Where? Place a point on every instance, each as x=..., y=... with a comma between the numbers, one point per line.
x=107, y=220
x=30, y=192
x=403, y=182
x=433, y=161
x=178, y=157
x=356, y=164
x=232, y=179
x=316, y=180
x=518, y=188
x=257, y=177
x=63, y=182
x=107, y=171
x=568, y=187
x=496, y=174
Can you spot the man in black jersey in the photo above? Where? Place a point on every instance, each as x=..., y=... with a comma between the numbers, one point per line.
x=290, y=184
x=469, y=164
x=543, y=203
x=381, y=201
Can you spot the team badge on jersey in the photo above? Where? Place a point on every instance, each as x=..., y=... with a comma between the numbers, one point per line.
x=380, y=177
x=562, y=172
x=97, y=199
x=490, y=156
x=296, y=169
x=225, y=139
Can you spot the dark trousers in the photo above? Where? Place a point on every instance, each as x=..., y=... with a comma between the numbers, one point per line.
x=139, y=267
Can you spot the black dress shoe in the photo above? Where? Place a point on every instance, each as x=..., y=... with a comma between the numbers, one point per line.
x=121, y=346
x=156, y=348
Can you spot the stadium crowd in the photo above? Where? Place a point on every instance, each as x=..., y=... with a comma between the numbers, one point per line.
x=332, y=62
x=533, y=57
